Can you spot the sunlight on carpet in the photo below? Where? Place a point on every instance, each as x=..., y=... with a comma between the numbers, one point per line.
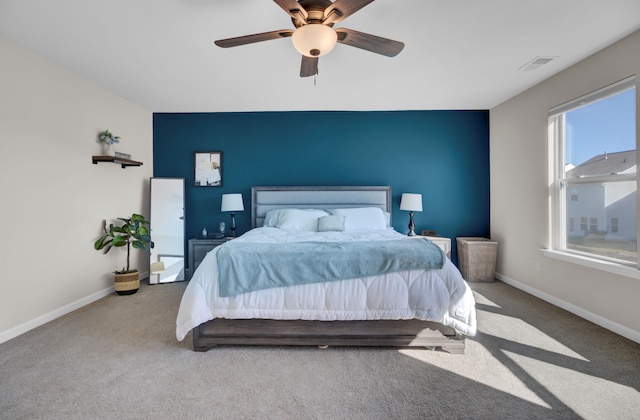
x=519, y=332
x=582, y=381
x=489, y=355
x=478, y=364
x=483, y=300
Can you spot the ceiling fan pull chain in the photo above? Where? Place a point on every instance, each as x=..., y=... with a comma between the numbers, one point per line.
x=315, y=77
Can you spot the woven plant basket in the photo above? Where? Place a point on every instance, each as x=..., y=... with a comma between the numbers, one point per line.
x=477, y=258
x=127, y=284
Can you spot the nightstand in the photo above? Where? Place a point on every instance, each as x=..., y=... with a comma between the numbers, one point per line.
x=198, y=249
x=442, y=242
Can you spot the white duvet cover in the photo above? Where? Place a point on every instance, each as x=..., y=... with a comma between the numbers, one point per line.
x=435, y=295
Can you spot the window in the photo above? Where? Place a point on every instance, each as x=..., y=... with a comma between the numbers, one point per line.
x=593, y=166
x=574, y=195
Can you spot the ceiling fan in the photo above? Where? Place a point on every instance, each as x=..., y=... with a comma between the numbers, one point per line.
x=314, y=35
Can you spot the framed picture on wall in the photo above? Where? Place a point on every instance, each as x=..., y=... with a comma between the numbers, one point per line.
x=208, y=169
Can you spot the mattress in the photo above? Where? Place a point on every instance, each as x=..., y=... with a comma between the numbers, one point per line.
x=439, y=295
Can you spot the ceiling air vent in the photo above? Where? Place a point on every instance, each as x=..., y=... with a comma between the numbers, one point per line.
x=536, y=63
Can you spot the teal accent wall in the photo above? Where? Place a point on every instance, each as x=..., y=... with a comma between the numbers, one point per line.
x=444, y=155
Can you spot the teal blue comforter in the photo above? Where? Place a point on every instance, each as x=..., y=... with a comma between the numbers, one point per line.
x=246, y=267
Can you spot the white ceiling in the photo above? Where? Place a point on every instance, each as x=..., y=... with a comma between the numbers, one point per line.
x=459, y=54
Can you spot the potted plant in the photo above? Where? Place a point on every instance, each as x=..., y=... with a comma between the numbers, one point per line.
x=108, y=139
x=133, y=232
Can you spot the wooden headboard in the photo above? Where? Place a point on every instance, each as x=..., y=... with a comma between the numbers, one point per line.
x=264, y=199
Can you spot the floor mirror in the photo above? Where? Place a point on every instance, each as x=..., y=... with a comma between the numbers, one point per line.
x=167, y=230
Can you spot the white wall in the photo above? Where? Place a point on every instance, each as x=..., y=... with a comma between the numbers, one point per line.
x=53, y=197
x=519, y=195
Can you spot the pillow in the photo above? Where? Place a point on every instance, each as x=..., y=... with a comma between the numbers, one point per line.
x=332, y=223
x=295, y=220
x=387, y=218
x=271, y=218
x=362, y=218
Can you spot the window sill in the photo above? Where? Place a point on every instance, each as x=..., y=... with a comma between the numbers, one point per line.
x=609, y=267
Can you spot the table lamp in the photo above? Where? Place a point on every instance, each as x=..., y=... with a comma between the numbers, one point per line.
x=411, y=202
x=232, y=203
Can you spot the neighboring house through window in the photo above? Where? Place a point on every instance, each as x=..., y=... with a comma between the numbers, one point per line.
x=574, y=194
x=583, y=224
x=593, y=139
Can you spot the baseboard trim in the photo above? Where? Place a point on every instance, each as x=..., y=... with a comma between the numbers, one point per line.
x=576, y=310
x=57, y=313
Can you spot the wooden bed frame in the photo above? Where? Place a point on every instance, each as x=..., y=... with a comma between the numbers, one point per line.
x=396, y=333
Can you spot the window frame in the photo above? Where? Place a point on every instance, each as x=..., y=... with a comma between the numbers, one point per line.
x=559, y=185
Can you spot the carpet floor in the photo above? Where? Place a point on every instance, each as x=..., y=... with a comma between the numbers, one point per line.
x=119, y=358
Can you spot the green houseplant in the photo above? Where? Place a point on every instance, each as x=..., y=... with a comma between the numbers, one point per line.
x=108, y=139
x=133, y=232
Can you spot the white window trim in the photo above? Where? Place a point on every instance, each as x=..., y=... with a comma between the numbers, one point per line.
x=557, y=207
x=603, y=265
x=605, y=92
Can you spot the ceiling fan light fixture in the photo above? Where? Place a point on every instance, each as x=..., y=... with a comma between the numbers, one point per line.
x=314, y=39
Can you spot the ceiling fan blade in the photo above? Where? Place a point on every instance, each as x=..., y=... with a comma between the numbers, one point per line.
x=309, y=66
x=369, y=42
x=293, y=8
x=341, y=9
x=250, y=39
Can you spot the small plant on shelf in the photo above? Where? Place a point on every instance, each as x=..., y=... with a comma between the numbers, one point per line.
x=133, y=232
x=107, y=138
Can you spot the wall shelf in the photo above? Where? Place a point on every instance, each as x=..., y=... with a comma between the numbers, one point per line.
x=116, y=160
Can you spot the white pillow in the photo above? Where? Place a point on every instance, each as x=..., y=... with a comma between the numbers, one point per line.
x=271, y=218
x=387, y=218
x=362, y=218
x=295, y=220
x=331, y=223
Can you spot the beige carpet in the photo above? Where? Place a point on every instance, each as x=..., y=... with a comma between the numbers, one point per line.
x=118, y=358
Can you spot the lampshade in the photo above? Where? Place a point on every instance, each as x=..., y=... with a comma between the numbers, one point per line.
x=157, y=267
x=411, y=202
x=314, y=39
x=232, y=202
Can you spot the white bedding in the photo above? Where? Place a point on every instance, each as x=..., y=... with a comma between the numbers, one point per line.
x=435, y=295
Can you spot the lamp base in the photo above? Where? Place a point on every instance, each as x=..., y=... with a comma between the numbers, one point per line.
x=233, y=225
x=411, y=225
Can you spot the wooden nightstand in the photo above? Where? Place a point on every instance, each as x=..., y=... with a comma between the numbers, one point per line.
x=442, y=242
x=198, y=249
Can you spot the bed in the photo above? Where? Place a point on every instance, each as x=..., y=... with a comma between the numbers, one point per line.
x=322, y=313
